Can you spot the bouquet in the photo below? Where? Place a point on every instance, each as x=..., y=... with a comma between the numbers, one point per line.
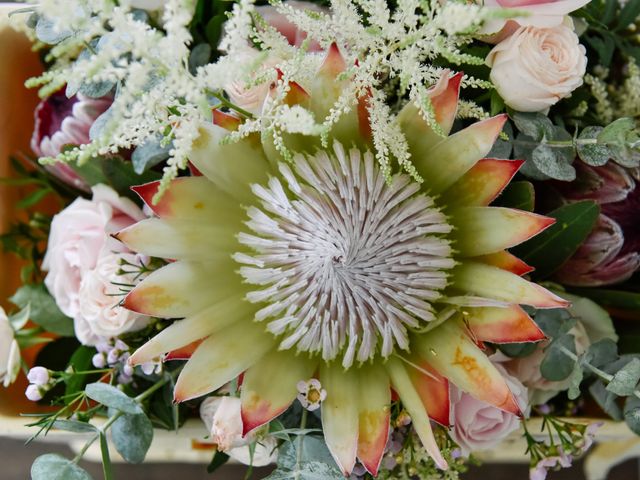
x=357, y=238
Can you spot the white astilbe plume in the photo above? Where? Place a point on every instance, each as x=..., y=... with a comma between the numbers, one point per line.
x=158, y=96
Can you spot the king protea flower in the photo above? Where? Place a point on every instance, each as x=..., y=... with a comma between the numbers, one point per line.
x=321, y=268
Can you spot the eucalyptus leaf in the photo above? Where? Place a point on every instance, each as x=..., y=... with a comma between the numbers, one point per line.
x=43, y=309
x=112, y=397
x=606, y=400
x=518, y=350
x=594, y=154
x=149, y=154
x=548, y=250
x=632, y=414
x=534, y=125
x=47, y=32
x=575, y=380
x=74, y=426
x=557, y=365
x=625, y=380
x=301, y=458
x=555, y=322
x=502, y=148
x=603, y=352
x=55, y=467
x=199, y=56
x=553, y=162
x=132, y=436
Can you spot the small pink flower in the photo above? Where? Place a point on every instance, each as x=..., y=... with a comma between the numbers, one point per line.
x=311, y=394
x=38, y=376
x=61, y=122
x=34, y=392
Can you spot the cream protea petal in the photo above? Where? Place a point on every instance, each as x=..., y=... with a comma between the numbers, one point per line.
x=374, y=411
x=402, y=384
x=502, y=325
x=340, y=414
x=506, y=261
x=484, y=230
x=189, y=240
x=232, y=167
x=494, y=283
x=172, y=291
x=443, y=164
x=221, y=358
x=191, y=198
x=432, y=388
x=183, y=332
x=269, y=386
x=444, y=101
x=454, y=355
x=350, y=262
x=482, y=184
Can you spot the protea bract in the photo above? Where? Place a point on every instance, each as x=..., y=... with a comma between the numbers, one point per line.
x=322, y=267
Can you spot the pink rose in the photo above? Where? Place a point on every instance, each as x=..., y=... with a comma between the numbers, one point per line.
x=221, y=416
x=280, y=22
x=100, y=316
x=62, y=121
x=542, y=14
x=79, y=233
x=480, y=426
x=535, y=68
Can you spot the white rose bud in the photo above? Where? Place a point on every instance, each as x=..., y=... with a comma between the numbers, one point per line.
x=536, y=67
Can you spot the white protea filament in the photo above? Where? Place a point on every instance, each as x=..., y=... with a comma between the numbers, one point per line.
x=347, y=260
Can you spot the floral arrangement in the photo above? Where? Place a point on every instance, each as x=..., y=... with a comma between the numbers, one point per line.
x=361, y=238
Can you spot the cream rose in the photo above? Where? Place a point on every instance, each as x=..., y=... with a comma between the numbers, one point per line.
x=9, y=352
x=222, y=418
x=536, y=67
x=99, y=315
x=480, y=426
x=78, y=234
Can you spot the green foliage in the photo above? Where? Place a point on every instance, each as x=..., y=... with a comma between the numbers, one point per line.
x=150, y=154
x=111, y=397
x=305, y=458
x=548, y=250
x=132, y=436
x=114, y=172
x=626, y=379
x=55, y=467
x=520, y=195
x=219, y=459
x=632, y=414
x=43, y=309
x=80, y=361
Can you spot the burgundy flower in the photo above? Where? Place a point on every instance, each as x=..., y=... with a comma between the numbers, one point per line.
x=62, y=121
x=611, y=253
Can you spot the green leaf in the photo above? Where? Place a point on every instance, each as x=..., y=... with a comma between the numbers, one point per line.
x=520, y=195
x=112, y=397
x=44, y=311
x=594, y=154
x=556, y=364
x=548, y=250
x=555, y=322
x=606, y=400
x=306, y=458
x=534, y=125
x=19, y=319
x=107, y=469
x=132, y=436
x=33, y=198
x=149, y=154
x=625, y=380
x=616, y=132
x=219, y=459
x=628, y=15
x=552, y=162
x=54, y=467
x=602, y=352
x=200, y=55
x=611, y=298
x=47, y=32
x=74, y=426
x=114, y=172
x=518, y=350
x=575, y=380
x=632, y=414
x=79, y=361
